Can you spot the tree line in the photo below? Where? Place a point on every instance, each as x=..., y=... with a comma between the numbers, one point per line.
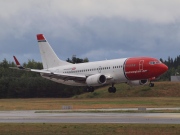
x=173, y=65
x=21, y=84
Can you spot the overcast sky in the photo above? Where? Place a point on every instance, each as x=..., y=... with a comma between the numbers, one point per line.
x=96, y=29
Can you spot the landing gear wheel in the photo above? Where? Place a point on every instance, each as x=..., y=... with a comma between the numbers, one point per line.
x=112, y=90
x=151, y=85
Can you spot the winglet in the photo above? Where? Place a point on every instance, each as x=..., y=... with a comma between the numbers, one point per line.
x=17, y=63
x=41, y=38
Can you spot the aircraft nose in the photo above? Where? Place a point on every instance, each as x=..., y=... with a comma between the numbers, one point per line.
x=164, y=68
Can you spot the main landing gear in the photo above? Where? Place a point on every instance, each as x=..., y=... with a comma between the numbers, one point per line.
x=89, y=89
x=151, y=84
x=112, y=89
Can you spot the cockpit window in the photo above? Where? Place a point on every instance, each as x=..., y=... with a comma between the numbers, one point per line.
x=151, y=62
x=154, y=62
x=158, y=62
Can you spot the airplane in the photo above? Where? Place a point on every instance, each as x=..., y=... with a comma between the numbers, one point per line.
x=133, y=71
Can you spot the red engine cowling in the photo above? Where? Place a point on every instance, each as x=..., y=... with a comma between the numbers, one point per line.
x=96, y=80
x=137, y=82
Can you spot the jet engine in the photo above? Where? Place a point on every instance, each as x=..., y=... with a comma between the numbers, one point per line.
x=96, y=80
x=137, y=82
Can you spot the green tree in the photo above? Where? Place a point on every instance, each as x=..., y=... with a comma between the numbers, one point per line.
x=75, y=60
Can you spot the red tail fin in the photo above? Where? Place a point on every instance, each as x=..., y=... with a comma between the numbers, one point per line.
x=41, y=38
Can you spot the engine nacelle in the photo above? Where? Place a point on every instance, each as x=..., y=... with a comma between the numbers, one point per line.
x=137, y=82
x=96, y=80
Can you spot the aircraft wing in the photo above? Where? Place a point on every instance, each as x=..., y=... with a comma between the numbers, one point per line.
x=46, y=73
x=65, y=77
x=62, y=76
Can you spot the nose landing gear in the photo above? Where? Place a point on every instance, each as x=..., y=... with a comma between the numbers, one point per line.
x=151, y=84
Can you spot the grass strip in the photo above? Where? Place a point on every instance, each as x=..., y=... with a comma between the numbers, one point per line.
x=56, y=103
x=90, y=129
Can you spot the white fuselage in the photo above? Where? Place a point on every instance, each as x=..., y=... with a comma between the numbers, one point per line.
x=112, y=68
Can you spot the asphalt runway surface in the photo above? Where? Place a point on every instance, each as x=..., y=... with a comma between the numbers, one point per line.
x=79, y=117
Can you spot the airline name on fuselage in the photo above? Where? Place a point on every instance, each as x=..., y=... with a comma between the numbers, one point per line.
x=136, y=71
x=73, y=68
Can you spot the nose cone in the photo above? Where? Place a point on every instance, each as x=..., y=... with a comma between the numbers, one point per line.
x=164, y=68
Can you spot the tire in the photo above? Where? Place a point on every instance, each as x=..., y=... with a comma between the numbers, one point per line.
x=151, y=85
x=110, y=89
x=114, y=90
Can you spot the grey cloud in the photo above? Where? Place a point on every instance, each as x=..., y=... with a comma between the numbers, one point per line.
x=90, y=28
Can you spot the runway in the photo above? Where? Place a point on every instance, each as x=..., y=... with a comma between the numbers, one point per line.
x=33, y=117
